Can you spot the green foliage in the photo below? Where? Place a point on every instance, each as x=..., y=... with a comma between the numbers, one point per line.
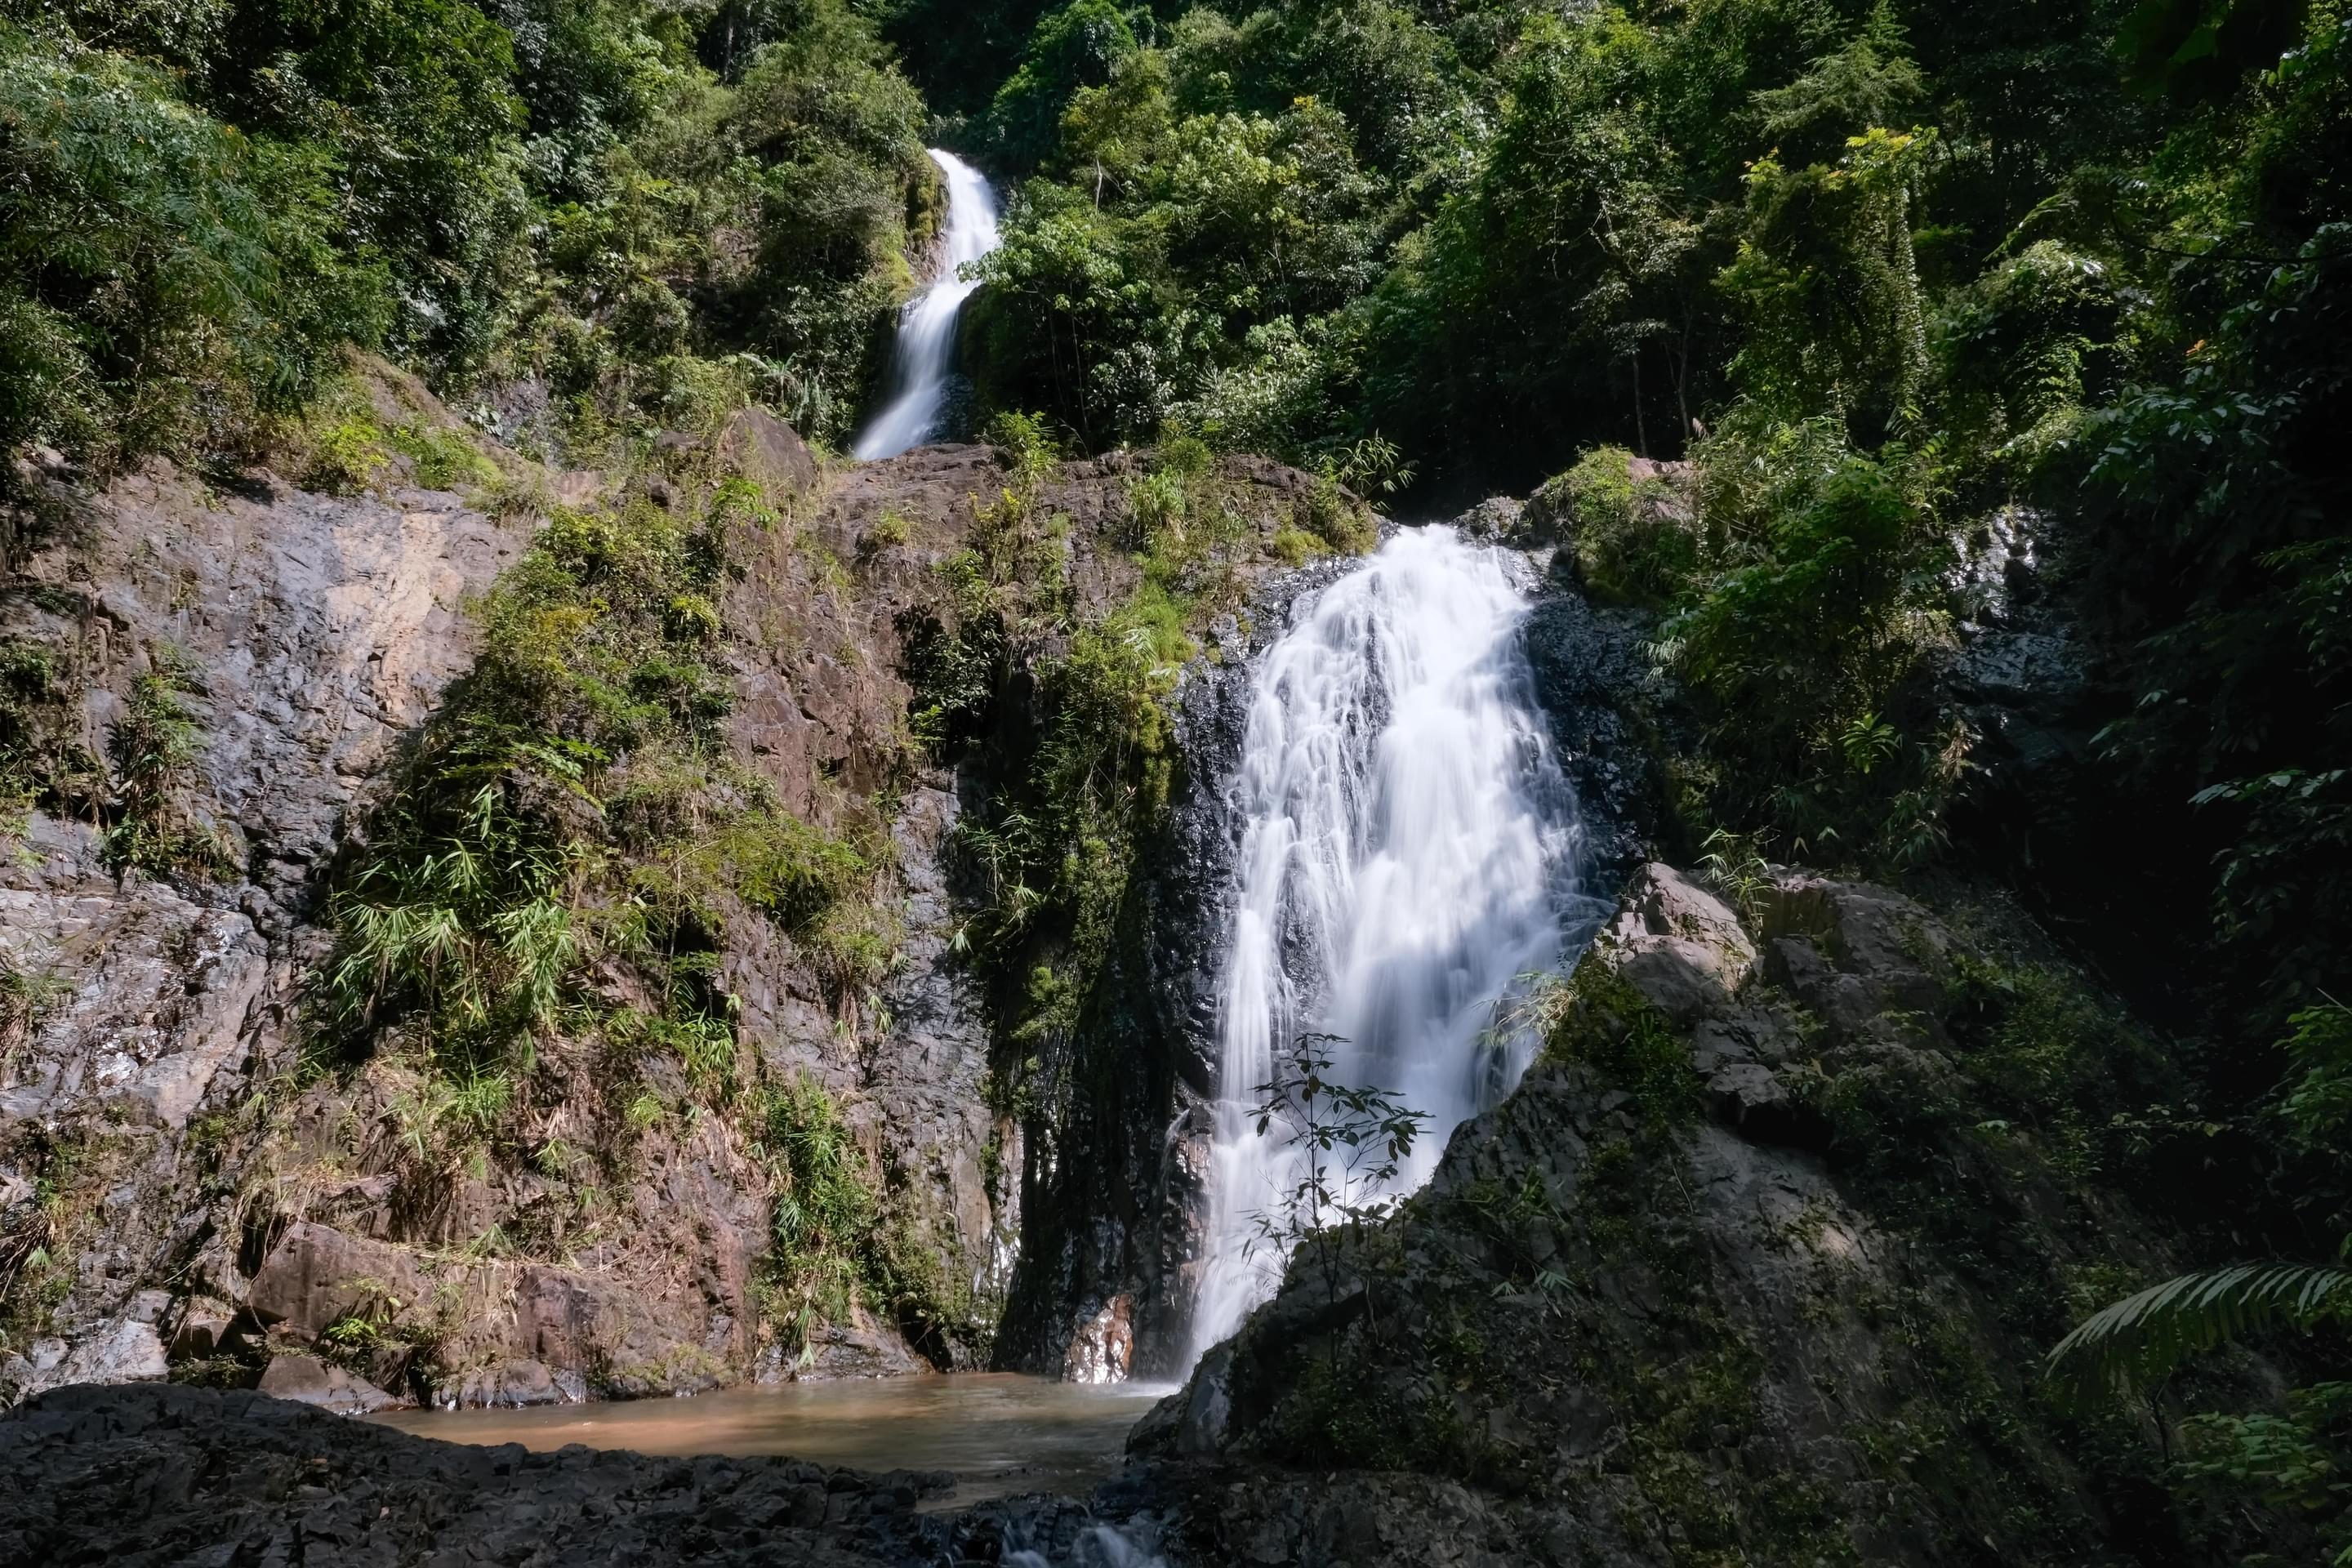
x=68, y=1170
x=1354, y=1139
x=571, y=811
x=1073, y=46
x=344, y=457
x=412, y=102
x=162, y=278
x=1828, y=282
x=824, y=1215
x=27, y=996
x=550, y=188
x=2293, y=1462
x=345, y=446
x=2142, y=1338
x=1054, y=849
x=441, y=459
x=1165, y=273
x=1596, y=1019
x=43, y=761
x=1804, y=652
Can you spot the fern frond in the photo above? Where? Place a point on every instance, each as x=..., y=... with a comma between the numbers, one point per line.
x=2143, y=1337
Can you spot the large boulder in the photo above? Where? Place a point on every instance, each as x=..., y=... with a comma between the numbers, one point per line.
x=317, y=1277
x=1748, y=1269
x=1677, y=943
x=768, y=452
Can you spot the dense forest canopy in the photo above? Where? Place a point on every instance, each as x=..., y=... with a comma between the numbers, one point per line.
x=1908, y=285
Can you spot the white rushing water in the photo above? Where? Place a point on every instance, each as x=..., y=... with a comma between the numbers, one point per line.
x=1409, y=856
x=926, y=350
x=1098, y=1546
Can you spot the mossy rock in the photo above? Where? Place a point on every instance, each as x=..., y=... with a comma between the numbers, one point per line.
x=1625, y=522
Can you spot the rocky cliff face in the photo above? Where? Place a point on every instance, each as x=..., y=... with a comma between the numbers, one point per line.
x=1112, y=1186
x=1755, y=1265
x=184, y=1191
x=298, y=637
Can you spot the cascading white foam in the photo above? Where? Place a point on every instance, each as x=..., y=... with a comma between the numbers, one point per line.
x=926, y=350
x=1098, y=1546
x=1410, y=853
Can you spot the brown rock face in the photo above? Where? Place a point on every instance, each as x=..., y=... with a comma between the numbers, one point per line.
x=769, y=452
x=315, y=1278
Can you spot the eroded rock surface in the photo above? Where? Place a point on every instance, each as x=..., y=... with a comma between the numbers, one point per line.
x=303, y=636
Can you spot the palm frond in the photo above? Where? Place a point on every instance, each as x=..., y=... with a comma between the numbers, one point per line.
x=2142, y=1338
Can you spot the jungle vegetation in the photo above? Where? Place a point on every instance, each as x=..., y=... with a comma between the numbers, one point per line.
x=1932, y=313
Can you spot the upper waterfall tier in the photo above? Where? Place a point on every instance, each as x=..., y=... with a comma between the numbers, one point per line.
x=926, y=350
x=1410, y=855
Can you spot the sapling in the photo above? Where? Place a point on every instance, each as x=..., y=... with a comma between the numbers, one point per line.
x=1355, y=1140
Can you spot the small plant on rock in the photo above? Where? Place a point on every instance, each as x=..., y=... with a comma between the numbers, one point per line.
x=1354, y=1140
x=154, y=746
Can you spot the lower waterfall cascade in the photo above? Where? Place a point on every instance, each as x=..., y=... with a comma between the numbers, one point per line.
x=1410, y=857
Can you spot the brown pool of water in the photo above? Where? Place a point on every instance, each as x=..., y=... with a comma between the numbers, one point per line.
x=1000, y=1433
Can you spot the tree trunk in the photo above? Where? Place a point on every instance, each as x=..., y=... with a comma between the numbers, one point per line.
x=1640, y=426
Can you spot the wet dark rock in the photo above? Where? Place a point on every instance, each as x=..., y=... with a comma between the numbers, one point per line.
x=158, y=1476
x=1594, y=678
x=1496, y=519
x=1118, y=1209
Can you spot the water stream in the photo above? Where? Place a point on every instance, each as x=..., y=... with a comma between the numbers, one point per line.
x=926, y=350
x=1410, y=855
x=1001, y=1433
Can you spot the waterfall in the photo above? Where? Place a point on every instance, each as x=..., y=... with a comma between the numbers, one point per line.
x=1408, y=854
x=926, y=350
